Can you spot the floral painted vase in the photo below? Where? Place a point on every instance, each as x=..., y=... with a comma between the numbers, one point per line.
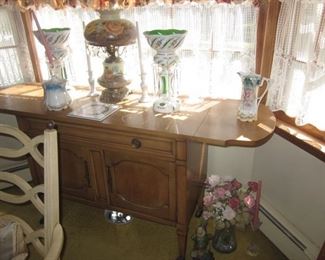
x=250, y=100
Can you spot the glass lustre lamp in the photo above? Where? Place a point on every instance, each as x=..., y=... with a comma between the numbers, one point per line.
x=110, y=32
x=165, y=43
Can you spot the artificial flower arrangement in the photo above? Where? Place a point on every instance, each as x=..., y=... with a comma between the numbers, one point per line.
x=230, y=203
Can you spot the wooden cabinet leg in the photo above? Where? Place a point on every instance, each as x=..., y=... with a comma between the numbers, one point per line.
x=181, y=231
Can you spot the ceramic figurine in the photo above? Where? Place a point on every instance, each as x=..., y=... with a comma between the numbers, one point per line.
x=201, y=242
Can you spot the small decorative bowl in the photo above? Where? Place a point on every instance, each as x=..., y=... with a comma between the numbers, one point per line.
x=57, y=39
x=167, y=40
x=54, y=36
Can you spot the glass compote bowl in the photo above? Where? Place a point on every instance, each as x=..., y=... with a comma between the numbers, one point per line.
x=165, y=43
x=57, y=39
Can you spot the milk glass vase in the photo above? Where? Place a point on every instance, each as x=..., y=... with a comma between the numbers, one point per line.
x=250, y=99
x=56, y=97
x=165, y=43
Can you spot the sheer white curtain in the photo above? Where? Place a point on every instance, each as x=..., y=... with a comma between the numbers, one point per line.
x=76, y=61
x=15, y=64
x=220, y=42
x=298, y=73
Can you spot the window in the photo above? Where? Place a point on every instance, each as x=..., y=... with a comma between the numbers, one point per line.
x=15, y=66
x=220, y=42
x=298, y=72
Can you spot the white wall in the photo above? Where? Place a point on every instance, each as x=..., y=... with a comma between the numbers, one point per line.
x=234, y=161
x=294, y=185
x=293, y=180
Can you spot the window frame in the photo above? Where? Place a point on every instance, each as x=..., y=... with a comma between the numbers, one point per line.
x=286, y=126
x=27, y=23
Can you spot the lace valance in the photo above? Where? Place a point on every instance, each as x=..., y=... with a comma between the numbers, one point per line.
x=103, y=4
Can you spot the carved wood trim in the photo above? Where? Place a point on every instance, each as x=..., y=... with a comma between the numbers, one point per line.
x=267, y=26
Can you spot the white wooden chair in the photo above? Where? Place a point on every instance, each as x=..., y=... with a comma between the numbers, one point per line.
x=48, y=240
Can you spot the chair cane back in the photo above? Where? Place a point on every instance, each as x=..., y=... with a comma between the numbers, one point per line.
x=48, y=240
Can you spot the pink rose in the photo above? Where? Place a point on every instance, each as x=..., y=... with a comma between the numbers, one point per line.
x=234, y=203
x=208, y=200
x=236, y=184
x=220, y=192
x=249, y=201
x=227, y=186
x=253, y=185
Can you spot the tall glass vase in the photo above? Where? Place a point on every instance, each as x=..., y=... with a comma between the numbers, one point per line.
x=165, y=43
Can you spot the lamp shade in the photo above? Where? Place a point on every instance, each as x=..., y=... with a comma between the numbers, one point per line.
x=102, y=32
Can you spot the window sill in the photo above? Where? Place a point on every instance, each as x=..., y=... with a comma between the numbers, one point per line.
x=301, y=139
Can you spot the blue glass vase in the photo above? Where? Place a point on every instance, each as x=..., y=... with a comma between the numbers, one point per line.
x=224, y=240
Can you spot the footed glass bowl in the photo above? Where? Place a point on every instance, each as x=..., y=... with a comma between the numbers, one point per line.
x=167, y=40
x=54, y=36
x=57, y=39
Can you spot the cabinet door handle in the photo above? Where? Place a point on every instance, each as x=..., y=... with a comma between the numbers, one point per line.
x=136, y=143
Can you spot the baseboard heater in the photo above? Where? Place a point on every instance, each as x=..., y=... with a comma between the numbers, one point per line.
x=285, y=235
x=283, y=229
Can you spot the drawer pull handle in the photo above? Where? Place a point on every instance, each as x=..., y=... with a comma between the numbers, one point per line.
x=136, y=143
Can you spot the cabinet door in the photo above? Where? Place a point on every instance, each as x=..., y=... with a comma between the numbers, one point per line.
x=141, y=184
x=78, y=166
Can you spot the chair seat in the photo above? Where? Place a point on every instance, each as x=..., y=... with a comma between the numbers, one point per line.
x=13, y=245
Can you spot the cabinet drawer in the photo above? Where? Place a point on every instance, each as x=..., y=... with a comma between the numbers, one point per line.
x=121, y=140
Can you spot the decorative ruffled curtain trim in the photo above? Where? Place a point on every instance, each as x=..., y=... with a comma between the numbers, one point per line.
x=102, y=4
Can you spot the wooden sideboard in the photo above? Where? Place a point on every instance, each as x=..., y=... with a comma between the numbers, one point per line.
x=147, y=164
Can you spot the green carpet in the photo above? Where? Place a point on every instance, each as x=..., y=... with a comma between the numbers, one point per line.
x=88, y=236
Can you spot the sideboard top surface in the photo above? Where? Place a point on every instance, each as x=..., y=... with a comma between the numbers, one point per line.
x=210, y=121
